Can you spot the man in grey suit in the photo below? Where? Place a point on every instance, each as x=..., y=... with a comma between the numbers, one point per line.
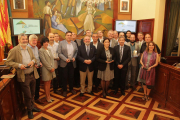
x=67, y=52
x=132, y=65
x=113, y=42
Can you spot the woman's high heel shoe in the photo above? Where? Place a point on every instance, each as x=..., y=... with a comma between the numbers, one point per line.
x=104, y=95
x=144, y=98
x=107, y=93
x=50, y=101
x=147, y=97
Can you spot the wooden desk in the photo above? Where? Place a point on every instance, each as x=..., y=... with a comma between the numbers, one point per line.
x=11, y=101
x=167, y=87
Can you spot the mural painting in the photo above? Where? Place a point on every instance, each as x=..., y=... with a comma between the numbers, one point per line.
x=60, y=16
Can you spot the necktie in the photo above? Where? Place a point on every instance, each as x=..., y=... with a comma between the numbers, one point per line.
x=140, y=46
x=121, y=54
x=88, y=50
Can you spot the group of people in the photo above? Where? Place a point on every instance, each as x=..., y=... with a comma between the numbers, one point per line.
x=117, y=61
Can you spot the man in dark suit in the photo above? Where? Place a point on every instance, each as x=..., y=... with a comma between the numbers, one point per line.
x=100, y=36
x=98, y=45
x=76, y=70
x=86, y=57
x=123, y=56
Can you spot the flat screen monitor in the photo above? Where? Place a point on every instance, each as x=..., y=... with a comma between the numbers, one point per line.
x=125, y=25
x=25, y=25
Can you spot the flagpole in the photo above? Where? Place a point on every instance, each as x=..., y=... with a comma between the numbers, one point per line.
x=2, y=54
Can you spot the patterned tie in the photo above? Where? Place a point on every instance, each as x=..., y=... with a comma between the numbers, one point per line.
x=121, y=54
x=140, y=45
x=88, y=50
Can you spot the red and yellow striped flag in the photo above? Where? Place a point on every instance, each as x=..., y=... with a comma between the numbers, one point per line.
x=5, y=32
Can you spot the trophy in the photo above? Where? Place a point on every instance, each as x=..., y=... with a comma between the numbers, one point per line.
x=135, y=53
x=70, y=57
x=109, y=57
x=55, y=56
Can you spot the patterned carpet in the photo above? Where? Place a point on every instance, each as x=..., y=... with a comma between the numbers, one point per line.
x=114, y=107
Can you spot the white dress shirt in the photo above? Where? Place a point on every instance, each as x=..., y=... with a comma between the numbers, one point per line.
x=95, y=45
x=70, y=50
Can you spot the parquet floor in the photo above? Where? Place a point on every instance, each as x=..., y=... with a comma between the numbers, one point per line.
x=114, y=107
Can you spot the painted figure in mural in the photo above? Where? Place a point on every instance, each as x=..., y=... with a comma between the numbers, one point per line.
x=100, y=4
x=47, y=14
x=62, y=4
x=109, y=2
x=78, y=6
x=72, y=4
x=56, y=24
x=89, y=22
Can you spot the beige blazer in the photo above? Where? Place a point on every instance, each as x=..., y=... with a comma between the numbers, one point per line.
x=15, y=58
x=48, y=64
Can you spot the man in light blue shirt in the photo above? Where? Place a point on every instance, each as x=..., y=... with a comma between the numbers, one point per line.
x=33, y=45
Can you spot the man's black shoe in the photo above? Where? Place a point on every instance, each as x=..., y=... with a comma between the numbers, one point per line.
x=36, y=110
x=122, y=92
x=73, y=92
x=91, y=93
x=81, y=94
x=115, y=92
x=30, y=115
x=65, y=94
x=57, y=92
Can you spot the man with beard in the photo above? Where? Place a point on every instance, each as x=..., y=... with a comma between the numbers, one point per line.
x=133, y=64
x=21, y=57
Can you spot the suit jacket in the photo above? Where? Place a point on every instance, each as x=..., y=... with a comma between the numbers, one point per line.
x=102, y=40
x=134, y=60
x=125, y=58
x=78, y=42
x=113, y=43
x=63, y=54
x=82, y=55
x=139, y=45
x=15, y=58
x=82, y=41
x=101, y=58
x=100, y=46
x=48, y=64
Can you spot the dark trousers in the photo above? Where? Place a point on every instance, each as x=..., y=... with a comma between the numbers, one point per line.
x=68, y=75
x=120, y=78
x=28, y=88
x=55, y=80
x=131, y=75
x=60, y=76
x=76, y=76
x=37, y=86
x=96, y=81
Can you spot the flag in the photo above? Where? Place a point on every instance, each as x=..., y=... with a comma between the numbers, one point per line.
x=5, y=32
